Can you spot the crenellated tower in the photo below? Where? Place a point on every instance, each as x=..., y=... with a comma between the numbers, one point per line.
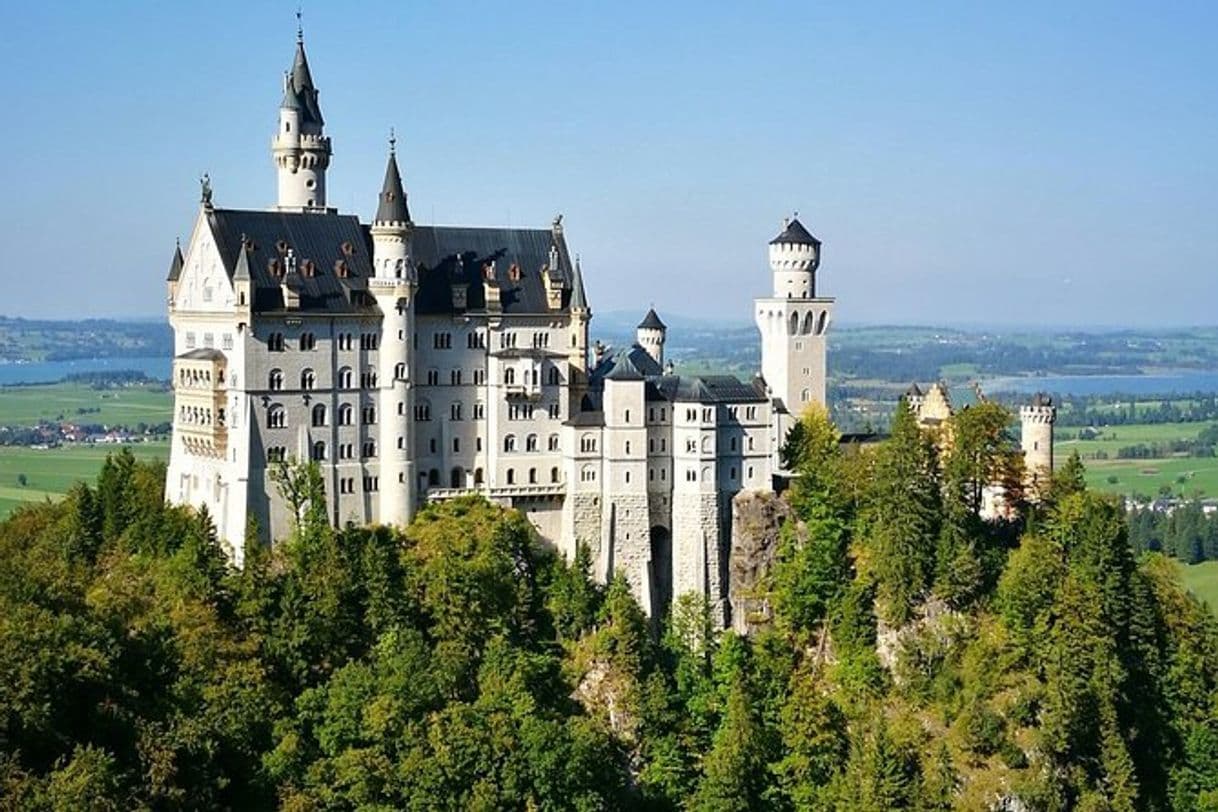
x=794, y=323
x=650, y=335
x=300, y=147
x=393, y=286
x=1036, y=421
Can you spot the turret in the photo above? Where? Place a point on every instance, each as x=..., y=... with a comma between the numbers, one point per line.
x=794, y=258
x=1036, y=438
x=391, y=227
x=650, y=336
x=392, y=285
x=300, y=148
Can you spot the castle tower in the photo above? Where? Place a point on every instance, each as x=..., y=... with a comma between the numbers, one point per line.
x=393, y=286
x=1036, y=438
x=650, y=336
x=793, y=323
x=300, y=148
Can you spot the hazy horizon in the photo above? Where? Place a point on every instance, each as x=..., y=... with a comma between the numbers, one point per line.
x=995, y=166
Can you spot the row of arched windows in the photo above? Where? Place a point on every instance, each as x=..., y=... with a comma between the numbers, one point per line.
x=530, y=443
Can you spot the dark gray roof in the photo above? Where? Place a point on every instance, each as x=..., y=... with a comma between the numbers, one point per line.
x=202, y=354
x=1042, y=399
x=317, y=240
x=448, y=255
x=175, y=265
x=795, y=233
x=709, y=389
x=392, y=205
x=303, y=88
x=579, y=299
x=914, y=391
x=628, y=363
x=652, y=321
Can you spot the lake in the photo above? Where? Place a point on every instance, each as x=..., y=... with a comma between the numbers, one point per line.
x=51, y=371
x=1183, y=382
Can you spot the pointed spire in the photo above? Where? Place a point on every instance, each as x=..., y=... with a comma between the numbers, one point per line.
x=175, y=265
x=300, y=84
x=579, y=300
x=392, y=207
x=242, y=272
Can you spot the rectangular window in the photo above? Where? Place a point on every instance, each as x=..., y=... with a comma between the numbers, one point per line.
x=190, y=341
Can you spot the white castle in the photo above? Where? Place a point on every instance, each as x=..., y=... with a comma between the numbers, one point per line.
x=417, y=363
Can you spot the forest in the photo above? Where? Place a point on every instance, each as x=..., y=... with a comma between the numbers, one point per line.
x=913, y=655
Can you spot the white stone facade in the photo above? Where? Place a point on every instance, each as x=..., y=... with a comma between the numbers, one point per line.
x=418, y=363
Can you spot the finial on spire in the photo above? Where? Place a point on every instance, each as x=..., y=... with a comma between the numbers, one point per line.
x=393, y=142
x=299, y=25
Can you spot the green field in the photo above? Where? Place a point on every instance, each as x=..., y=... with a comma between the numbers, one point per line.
x=1186, y=476
x=1202, y=580
x=126, y=406
x=50, y=472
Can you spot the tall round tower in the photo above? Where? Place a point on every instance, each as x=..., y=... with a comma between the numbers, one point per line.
x=393, y=285
x=794, y=258
x=300, y=148
x=1036, y=438
x=650, y=336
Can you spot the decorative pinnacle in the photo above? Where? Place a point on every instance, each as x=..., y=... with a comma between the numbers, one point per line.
x=299, y=26
x=393, y=142
x=205, y=189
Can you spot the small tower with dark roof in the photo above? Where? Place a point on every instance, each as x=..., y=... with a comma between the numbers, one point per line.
x=794, y=258
x=300, y=147
x=650, y=336
x=1036, y=421
x=392, y=227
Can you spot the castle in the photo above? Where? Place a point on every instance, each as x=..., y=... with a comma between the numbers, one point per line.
x=416, y=363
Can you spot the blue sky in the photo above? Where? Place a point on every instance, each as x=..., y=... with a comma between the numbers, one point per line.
x=1030, y=163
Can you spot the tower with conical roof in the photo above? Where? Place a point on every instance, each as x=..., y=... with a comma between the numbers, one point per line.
x=300, y=148
x=393, y=286
x=650, y=335
x=794, y=323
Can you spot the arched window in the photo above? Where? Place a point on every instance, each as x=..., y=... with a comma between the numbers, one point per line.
x=477, y=477
x=344, y=378
x=307, y=341
x=793, y=327
x=307, y=379
x=807, y=323
x=553, y=443
x=511, y=476
x=318, y=452
x=274, y=342
x=509, y=376
x=554, y=474
x=532, y=476
x=274, y=380
x=433, y=478
x=820, y=322
x=276, y=417
x=319, y=414
x=706, y=445
x=554, y=378
x=457, y=477
x=805, y=396
x=399, y=372
x=509, y=442
x=346, y=415
x=530, y=443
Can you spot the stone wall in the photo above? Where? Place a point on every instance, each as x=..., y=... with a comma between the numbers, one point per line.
x=696, y=558
x=629, y=535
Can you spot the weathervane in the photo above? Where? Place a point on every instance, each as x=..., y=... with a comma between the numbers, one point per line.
x=393, y=142
x=299, y=25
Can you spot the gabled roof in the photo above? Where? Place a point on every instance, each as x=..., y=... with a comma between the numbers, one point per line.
x=795, y=233
x=913, y=391
x=451, y=255
x=175, y=265
x=652, y=321
x=317, y=241
x=392, y=206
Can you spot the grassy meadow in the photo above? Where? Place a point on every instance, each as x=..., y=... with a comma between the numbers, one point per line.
x=1186, y=476
x=50, y=472
x=1202, y=580
x=126, y=406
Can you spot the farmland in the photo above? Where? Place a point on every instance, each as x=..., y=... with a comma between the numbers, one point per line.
x=1182, y=475
x=81, y=403
x=49, y=473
